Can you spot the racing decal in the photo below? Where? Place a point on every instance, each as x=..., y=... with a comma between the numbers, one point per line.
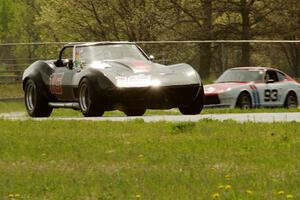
x=56, y=83
x=140, y=66
x=271, y=95
x=77, y=57
x=255, y=95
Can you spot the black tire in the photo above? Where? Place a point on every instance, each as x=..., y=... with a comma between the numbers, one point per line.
x=36, y=103
x=244, y=101
x=291, y=101
x=195, y=107
x=89, y=100
x=135, y=112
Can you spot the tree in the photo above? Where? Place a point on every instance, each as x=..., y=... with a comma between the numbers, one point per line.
x=289, y=28
x=248, y=19
x=199, y=16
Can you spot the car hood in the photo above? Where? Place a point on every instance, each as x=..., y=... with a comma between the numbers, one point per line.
x=217, y=88
x=134, y=66
x=134, y=72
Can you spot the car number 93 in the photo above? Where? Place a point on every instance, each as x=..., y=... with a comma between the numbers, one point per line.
x=271, y=95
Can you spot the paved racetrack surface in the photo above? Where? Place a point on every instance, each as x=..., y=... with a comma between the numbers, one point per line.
x=242, y=117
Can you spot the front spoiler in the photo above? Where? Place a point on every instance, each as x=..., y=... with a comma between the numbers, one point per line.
x=152, y=97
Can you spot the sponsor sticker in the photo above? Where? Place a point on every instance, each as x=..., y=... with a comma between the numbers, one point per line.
x=56, y=83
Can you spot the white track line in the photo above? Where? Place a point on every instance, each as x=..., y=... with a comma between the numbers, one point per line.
x=242, y=117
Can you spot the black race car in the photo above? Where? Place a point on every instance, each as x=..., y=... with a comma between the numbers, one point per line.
x=104, y=76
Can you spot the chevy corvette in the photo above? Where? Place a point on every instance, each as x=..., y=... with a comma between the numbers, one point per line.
x=104, y=76
x=251, y=87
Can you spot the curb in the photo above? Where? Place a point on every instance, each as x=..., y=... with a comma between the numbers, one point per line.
x=17, y=99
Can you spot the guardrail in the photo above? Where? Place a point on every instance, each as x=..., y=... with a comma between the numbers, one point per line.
x=16, y=99
x=10, y=76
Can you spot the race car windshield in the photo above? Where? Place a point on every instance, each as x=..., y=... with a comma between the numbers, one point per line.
x=89, y=54
x=241, y=76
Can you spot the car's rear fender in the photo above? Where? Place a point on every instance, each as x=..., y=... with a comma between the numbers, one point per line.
x=292, y=91
x=39, y=72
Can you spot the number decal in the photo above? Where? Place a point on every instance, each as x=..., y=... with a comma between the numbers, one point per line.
x=56, y=83
x=271, y=95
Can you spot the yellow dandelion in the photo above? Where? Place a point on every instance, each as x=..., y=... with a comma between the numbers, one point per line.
x=289, y=196
x=228, y=187
x=249, y=192
x=280, y=192
x=138, y=196
x=215, y=196
x=221, y=187
x=11, y=196
x=141, y=155
x=227, y=177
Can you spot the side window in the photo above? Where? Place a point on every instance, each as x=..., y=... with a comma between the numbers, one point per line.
x=65, y=58
x=281, y=76
x=271, y=75
x=67, y=53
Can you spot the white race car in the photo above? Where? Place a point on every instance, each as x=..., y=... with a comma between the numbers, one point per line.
x=252, y=87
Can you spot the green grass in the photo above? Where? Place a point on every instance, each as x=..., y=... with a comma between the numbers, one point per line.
x=11, y=91
x=12, y=107
x=127, y=160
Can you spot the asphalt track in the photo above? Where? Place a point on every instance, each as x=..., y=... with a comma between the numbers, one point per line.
x=240, y=117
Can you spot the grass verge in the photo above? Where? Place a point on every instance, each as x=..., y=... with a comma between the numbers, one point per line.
x=11, y=90
x=136, y=160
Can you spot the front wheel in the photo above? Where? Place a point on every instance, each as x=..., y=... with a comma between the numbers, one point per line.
x=88, y=100
x=244, y=101
x=36, y=104
x=195, y=107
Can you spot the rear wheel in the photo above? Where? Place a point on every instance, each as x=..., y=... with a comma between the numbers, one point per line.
x=291, y=101
x=195, y=107
x=89, y=102
x=135, y=112
x=244, y=101
x=36, y=104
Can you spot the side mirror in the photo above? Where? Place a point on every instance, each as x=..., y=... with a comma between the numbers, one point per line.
x=151, y=58
x=65, y=62
x=61, y=62
x=270, y=81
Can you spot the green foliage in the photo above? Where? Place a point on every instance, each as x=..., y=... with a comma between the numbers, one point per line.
x=102, y=20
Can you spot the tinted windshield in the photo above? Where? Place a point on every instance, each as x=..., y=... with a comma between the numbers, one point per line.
x=88, y=54
x=236, y=75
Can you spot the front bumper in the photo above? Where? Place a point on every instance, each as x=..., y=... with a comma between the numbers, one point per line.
x=152, y=97
x=218, y=100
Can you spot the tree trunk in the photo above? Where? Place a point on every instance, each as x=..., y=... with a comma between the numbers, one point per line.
x=295, y=59
x=245, y=61
x=205, y=48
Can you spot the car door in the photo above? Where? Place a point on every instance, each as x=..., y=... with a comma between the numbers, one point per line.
x=271, y=90
x=61, y=80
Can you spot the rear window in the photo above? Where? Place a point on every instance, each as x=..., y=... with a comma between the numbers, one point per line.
x=281, y=76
